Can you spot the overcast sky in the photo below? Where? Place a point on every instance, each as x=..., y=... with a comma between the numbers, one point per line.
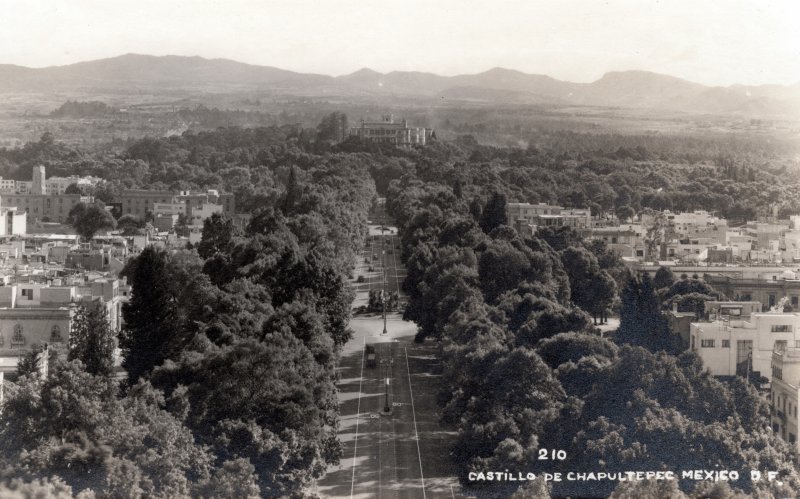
x=716, y=42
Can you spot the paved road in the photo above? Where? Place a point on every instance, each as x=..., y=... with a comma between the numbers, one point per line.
x=403, y=454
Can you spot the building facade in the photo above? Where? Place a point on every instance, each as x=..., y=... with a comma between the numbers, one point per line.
x=731, y=346
x=45, y=207
x=519, y=215
x=389, y=131
x=34, y=314
x=784, y=392
x=139, y=203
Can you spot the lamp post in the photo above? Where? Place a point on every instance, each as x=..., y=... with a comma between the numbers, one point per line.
x=386, y=407
x=384, y=295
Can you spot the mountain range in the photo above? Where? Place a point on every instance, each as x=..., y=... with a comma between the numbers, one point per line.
x=627, y=89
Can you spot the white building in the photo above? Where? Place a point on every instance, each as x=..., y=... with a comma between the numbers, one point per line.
x=737, y=346
x=8, y=185
x=169, y=209
x=13, y=222
x=58, y=185
x=784, y=391
x=626, y=240
x=199, y=215
x=23, y=186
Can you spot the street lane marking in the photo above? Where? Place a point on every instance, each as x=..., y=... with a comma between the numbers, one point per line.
x=453, y=494
x=416, y=434
x=358, y=411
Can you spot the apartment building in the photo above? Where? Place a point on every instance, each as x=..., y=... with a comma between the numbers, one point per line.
x=737, y=346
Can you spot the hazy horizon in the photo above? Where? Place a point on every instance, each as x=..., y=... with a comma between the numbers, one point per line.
x=736, y=42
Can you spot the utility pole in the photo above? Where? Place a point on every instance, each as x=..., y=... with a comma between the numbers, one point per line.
x=384, y=294
x=386, y=407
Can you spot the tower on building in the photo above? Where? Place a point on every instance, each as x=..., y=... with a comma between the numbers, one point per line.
x=38, y=186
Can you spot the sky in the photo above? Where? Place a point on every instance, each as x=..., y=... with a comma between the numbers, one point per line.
x=714, y=42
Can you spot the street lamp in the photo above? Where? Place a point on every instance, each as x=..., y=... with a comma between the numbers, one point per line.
x=384, y=295
x=386, y=407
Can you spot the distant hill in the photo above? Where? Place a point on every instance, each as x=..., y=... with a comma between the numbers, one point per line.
x=630, y=89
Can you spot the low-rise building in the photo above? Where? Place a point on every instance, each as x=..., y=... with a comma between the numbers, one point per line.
x=784, y=391
x=768, y=288
x=626, y=240
x=139, y=203
x=732, y=346
x=199, y=215
x=389, y=131
x=33, y=314
x=527, y=217
x=58, y=185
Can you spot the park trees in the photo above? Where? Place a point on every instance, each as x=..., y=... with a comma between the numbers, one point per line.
x=494, y=212
x=641, y=320
x=91, y=339
x=151, y=331
x=591, y=288
x=89, y=219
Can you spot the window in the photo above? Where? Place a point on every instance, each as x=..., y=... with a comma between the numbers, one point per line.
x=27, y=294
x=792, y=438
x=794, y=301
x=18, y=338
x=780, y=345
x=777, y=372
x=55, y=334
x=707, y=343
x=744, y=351
x=726, y=343
x=781, y=328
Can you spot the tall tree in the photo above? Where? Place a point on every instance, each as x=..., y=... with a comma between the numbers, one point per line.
x=92, y=341
x=88, y=219
x=30, y=363
x=494, y=212
x=291, y=194
x=664, y=278
x=151, y=328
x=641, y=320
x=218, y=234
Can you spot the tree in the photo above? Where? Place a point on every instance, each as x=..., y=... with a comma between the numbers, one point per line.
x=291, y=194
x=625, y=213
x=494, y=212
x=641, y=320
x=151, y=326
x=77, y=189
x=663, y=278
x=92, y=341
x=332, y=128
x=90, y=219
x=129, y=224
x=218, y=232
x=30, y=363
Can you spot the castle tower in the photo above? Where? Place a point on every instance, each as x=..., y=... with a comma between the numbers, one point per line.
x=38, y=186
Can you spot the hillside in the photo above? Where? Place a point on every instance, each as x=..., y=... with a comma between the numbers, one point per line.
x=628, y=89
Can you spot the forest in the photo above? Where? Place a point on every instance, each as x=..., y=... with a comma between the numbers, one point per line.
x=524, y=369
x=231, y=346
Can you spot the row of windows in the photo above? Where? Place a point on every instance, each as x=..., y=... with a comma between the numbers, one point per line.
x=18, y=337
x=779, y=344
x=780, y=402
x=712, y=343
